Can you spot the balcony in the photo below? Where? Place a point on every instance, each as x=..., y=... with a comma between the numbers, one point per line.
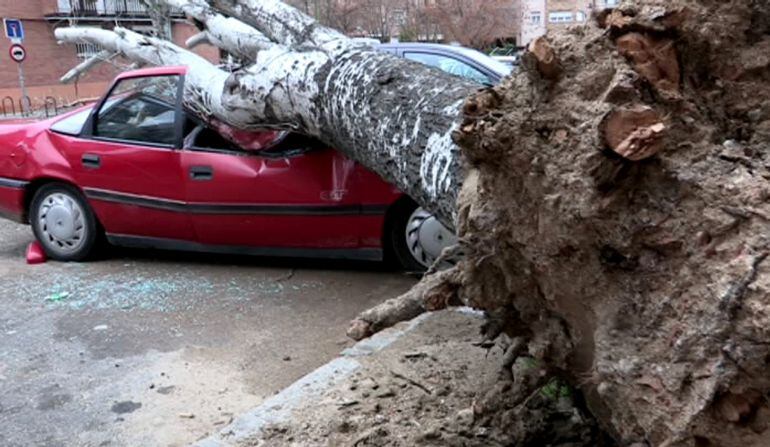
x=102, y=9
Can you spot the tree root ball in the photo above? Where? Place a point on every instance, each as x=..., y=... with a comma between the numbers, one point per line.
x=619, y=213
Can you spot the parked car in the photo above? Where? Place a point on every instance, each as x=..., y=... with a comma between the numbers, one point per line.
x=510, y=56
x=137, y=170
x=464, y=62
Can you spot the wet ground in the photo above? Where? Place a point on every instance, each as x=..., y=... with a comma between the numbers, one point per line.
x=160, y=349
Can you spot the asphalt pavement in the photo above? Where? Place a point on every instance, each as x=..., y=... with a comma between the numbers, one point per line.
x=148, y=348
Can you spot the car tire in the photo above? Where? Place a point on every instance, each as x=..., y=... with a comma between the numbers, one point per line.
x=63, y=223
x=398, y=252
x=416, y=237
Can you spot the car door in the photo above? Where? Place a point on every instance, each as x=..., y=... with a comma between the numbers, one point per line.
x=294, y=198
x=127, y=161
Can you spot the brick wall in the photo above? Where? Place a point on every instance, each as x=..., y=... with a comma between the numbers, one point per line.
x=47, y=61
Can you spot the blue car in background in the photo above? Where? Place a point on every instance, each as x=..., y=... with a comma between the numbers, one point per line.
x=464, y=62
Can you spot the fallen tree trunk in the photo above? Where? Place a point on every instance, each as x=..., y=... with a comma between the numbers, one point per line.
x=615, y=214
x=391, y=114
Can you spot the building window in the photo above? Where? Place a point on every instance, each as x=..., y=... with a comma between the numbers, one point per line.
x=399, y=17
x=535, y=18
x=560, y=17
x=610, y=2
x=580, y=16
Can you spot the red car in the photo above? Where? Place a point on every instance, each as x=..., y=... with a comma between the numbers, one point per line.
x=137, y=170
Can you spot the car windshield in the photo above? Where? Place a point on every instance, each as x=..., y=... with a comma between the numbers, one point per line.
x=73, y=124
x=161, y=88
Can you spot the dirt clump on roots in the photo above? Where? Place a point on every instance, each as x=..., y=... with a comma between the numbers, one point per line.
x=616, y=217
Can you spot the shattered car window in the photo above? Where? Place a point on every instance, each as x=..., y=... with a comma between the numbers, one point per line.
x=141, y=110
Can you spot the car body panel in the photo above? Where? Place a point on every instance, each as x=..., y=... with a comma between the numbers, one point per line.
x=130, y=180
x=311, y=199
x=12, y=199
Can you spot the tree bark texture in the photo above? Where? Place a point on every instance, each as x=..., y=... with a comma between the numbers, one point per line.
x=618, y=192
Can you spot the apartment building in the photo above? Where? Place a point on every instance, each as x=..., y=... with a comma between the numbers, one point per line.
x=539, y=16
x=47, y=61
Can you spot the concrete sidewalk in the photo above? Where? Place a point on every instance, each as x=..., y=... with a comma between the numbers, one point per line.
x=378, y=377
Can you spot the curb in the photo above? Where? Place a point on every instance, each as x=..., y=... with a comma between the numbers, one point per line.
x=279, y=407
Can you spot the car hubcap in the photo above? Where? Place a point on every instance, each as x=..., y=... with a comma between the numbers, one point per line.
x=61, y=221
x=426, y=237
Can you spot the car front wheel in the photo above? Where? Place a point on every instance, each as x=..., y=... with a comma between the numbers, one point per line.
x=63, y=222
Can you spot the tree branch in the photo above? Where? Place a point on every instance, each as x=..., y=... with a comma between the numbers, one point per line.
x=86, y=65
x=204, y=82
x=280, y=22
x=201, y=38
x=227, y=33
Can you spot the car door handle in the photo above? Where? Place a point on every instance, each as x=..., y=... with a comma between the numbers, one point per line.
x=91, y=161
x=201, y=173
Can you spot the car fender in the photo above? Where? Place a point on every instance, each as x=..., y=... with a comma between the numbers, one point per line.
x=45, y=163
x=47, y=159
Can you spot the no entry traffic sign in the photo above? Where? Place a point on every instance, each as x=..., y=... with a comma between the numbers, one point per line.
x=18, y=53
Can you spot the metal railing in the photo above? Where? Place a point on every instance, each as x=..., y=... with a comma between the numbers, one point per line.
x=92, y=8
x=104, y=8
x=48, y=108
x=85, y=50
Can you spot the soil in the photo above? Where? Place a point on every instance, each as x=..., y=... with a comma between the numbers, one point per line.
x=431, y=388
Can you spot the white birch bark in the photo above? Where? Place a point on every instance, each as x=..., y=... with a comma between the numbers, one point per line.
x=392, y=115
x=228, y=33
x=279, y=21
x=86, y=65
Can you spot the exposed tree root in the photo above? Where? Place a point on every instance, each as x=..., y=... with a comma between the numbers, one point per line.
x=433, y=292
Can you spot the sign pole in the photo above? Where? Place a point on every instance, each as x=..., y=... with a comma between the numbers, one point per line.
x=24, y=98
x=14, y=30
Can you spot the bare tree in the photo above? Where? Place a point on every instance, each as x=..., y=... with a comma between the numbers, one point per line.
x=376, y=18
x=474, y=23
x=345, y=15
